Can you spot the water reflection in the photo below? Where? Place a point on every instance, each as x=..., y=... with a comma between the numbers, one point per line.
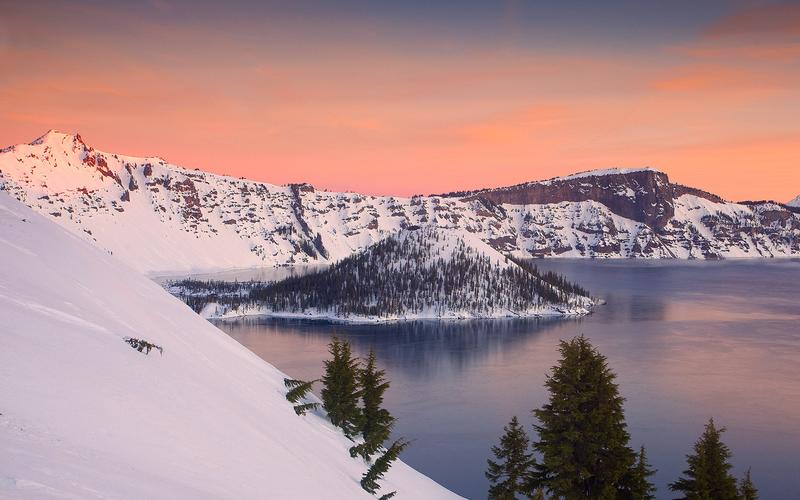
x=418, y=349
x=688, y=340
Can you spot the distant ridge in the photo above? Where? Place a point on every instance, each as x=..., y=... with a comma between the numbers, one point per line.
x=161, y=218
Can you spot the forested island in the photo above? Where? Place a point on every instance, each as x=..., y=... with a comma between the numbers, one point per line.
x=416, y=274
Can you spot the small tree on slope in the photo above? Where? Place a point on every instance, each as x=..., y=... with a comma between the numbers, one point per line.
x=511, y=474
x=708, y=473
x=298, y=390
x=340, y=390
x=369, y=481
x=636, y=484
x=375, y=424
x=583, y=438
x=747, y=490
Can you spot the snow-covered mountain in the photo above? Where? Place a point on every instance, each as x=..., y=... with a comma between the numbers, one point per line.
x=83, y=415
x=158, y=217
x=416, y=274
x=794, y=203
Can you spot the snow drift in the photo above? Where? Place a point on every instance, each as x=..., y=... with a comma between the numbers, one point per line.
x=83, y=415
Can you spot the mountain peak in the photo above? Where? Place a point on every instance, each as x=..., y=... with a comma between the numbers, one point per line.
x=56, y=137
x=794, y=203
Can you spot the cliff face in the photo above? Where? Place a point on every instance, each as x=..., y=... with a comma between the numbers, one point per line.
x=642, y=195
x=159, y=217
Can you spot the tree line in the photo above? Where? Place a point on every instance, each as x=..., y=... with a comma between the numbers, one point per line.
x=583, y=449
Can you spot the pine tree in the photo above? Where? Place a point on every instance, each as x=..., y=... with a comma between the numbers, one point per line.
x=511, y=474
x=369, y=481
x=583, y=438
x=299, y=389
x=747, y=490
x=376, y=422
x=636, y=484
x=301, y=409
x=340, y=390
x=708, y=473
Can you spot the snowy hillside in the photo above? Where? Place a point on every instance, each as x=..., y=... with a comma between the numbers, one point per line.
x=83, y=415
x=795, y=202
x=160, y=218
x=416, y=274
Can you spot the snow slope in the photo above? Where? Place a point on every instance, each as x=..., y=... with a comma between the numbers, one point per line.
x=795, y=202
x=83, y=415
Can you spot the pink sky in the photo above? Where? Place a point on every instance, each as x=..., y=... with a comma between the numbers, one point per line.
x=371, y=108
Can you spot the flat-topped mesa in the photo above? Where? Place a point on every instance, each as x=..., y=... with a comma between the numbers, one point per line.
x=643, y=194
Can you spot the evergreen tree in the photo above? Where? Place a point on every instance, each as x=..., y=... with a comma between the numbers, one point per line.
x=511, y=474
x=376, y=422
x=340, y=387
x=708, y=474
x=583, y=438
x=369, y=481
x=747, y=490
x=299, y=389
x=636, y=484
x=301, y=409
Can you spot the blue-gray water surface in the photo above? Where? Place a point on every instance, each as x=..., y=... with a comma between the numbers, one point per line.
x=688, y=340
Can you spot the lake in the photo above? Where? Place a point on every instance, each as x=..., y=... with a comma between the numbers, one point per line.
x=688, y=340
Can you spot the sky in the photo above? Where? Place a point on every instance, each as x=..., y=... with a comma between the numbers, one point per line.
x=417, y=96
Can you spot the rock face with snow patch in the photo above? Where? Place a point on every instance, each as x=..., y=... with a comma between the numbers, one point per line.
x=158, y=217
x=642, y=195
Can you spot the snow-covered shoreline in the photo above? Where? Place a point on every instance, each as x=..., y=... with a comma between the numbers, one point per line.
x=211, y=314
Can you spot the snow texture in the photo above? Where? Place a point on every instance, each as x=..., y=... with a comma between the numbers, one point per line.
x=83, y=415
x=163, y=219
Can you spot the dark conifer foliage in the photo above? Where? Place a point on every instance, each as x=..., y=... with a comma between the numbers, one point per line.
x=302, y=408
x=375, y=424
x=340, y=391
x=636, y=484
x=369, y=480
x=510, y=475
x=747, y=490
x=142, y=345
x=400, y=275
x=583, y=438
x=298, y=390
x=708, y=474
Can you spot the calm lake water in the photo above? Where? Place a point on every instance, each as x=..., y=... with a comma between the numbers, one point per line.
x=688, y=340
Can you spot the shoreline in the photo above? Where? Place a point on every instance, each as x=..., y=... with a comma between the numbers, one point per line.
x=382, y=320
